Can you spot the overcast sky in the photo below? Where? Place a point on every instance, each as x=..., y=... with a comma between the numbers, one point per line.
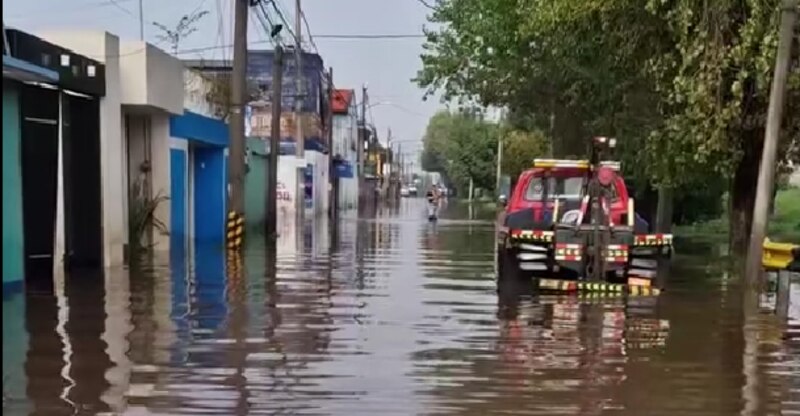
x=386, y=65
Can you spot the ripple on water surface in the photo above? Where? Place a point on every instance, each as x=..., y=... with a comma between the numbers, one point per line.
x=391, y=315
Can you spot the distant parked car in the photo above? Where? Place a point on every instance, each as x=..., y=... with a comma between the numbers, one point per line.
x=404, y=191
x=412, y=190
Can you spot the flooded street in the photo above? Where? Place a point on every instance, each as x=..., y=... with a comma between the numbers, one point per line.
x=392, y=315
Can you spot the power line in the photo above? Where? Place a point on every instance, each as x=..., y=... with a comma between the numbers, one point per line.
x=116, y=4
x=353, y=37
x=308, y=30
x=372, y=36
x=75, y=8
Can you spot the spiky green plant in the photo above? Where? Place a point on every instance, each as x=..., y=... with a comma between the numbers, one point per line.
x=142, y=220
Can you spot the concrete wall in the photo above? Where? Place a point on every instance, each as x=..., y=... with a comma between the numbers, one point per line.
x=161, y=173
x=196, y=91
x=150, y=77
x=13, y=243
x=287, y=187
x=255, y=184
x=794, y=179
x=105, y=48
x=148, y=141
x=321, y=173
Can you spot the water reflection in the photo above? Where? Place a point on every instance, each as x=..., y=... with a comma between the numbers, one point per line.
x=391, y=315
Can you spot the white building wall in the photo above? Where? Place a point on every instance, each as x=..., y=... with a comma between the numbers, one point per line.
x=140, y=80
x=345, y=131
x=150, y=77
x=320, y=182
x=160, y=145
x=104, y=47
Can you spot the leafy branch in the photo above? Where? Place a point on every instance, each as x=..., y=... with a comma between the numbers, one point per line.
x=185, y=27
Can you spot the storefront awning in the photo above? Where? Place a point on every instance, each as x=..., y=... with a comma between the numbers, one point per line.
x=25, y=71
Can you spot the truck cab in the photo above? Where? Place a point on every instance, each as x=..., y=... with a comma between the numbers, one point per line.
x=575, y=219
x=565, y=185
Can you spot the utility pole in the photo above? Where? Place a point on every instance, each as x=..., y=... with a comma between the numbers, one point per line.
x=274, y=143
x=362, y=136
x=387, y=170
x=766, y=176
x=499, y=172
x=333, y=181
x=400, y=165
x=141, y=20
x=300, y=140
x=236, y=126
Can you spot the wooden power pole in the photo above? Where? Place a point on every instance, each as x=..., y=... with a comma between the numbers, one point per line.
x=236, y=127
x=333, y=181
x=362, y=137
x=766, y=176
x=300, y=140
x=274, y=143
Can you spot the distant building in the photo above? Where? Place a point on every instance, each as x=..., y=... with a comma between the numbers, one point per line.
x=345, y=146
x=258, y=121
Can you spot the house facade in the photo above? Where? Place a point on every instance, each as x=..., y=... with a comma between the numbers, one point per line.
x=51, y=161
x=344, y=148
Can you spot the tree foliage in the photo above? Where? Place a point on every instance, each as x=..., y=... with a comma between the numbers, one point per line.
x=461, y=146
x=520, y=148
x=183, y=29
x=683, y=84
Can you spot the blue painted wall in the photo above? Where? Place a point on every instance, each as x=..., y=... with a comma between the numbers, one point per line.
x=13, y=244
x=199, y=129
x=208, y=138
x=178, y=229
x=209, y=194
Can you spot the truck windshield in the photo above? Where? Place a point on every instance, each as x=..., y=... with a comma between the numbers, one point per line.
x=561, y=188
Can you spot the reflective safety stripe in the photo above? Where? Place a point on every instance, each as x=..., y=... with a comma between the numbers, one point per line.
x=564, y=245
x=597, y=287
x=653, y=240
x=532, y=235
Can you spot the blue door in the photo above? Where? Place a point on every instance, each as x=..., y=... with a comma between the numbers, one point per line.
x=209, y=194
x=178, y=203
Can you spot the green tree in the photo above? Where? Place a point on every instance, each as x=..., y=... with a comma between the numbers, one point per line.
x=715, y=83
x=461, y=146
x=520, y=148
x=683, y=84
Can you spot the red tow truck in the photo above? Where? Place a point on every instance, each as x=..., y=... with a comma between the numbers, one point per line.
x=571, y=225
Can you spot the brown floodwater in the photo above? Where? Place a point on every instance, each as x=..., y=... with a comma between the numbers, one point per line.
x=393, y=315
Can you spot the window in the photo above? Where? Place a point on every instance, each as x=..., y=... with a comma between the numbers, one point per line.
x=563, y=188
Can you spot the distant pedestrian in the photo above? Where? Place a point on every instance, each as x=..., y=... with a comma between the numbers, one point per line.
x=433, y=197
